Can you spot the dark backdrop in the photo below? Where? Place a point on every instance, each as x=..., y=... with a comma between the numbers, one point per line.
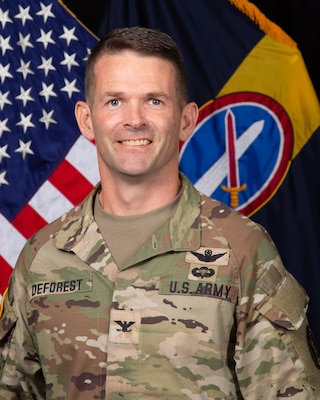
x=299, y=18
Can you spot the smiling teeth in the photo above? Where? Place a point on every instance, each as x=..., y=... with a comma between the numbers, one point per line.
x=140, y=142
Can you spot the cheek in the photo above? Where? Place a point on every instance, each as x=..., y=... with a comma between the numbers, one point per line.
x=102, y=126
x=168, y=123
x=173, y=133
x=170, y=143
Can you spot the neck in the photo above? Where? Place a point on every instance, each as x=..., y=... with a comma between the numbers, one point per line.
x=131, y=197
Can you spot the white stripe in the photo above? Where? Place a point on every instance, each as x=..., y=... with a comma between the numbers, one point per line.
x=49, y=202
x=83, y=156
x=11, y=241
x=213, y=177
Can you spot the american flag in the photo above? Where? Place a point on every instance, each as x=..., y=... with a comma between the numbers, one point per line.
x=46, y=166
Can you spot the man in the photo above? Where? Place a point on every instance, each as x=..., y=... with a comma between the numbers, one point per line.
x=149, y=289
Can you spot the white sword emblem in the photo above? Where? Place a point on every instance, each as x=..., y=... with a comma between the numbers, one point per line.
x=214, y=176
x=233, y=176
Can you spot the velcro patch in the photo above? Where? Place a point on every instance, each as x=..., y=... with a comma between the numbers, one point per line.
x=45, y=288
x=204, y=289
x=208, y=256
x=124, y=326
x=202, y=273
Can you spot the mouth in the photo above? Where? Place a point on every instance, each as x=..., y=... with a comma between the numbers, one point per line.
x=137, y=142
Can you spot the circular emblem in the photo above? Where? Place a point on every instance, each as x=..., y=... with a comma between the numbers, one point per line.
x=240, y=150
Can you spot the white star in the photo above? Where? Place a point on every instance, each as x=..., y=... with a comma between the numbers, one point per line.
x=68, y=35
x=3, y=127
x=3, y=180
x=24, y=42
x=24, y=15
x=70, y=87
x=25, y=122
x=45, y=11
x=3, y=152
x=4, y=44
x=88, y=52
x=4, y=72
x=47, y=91
x=4, y=18
x=69, y=60
x=45, y=38
x=24, y=68
x=24, y=96
x=47, y=118
x=46, y=65
x=24, y=149
x=4, y=99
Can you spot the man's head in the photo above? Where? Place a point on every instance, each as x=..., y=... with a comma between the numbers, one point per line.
x=136, y=107
x=144, y=41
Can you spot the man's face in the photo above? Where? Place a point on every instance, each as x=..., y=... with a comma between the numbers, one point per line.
x=135, y=116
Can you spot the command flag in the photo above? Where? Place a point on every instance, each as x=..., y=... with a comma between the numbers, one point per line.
x=257, y=142
x=45, y=165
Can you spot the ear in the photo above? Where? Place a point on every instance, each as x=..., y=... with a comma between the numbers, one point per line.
x=83, y=116
x=189, y=120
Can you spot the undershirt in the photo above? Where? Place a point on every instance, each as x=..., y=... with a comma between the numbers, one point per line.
x=125, y=235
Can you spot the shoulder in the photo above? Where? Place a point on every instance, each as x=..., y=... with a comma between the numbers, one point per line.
x=38, y=240
x=250, y=245
x=74, y=216
x=228, y=220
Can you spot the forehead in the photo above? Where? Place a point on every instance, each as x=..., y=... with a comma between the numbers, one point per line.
x=128, y=63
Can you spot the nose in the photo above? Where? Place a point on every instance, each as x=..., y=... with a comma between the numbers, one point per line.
x=134, y=116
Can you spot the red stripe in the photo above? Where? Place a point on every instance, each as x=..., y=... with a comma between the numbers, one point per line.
x=65, y=174
x=28, y=221
x=6, y=271
x=231, y=150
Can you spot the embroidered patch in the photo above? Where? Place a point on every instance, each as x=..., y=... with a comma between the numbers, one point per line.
x=204, y=289
x=202, y=273
x=208, y=256
x=124, y=326
x=205, y=262
x=61, y=287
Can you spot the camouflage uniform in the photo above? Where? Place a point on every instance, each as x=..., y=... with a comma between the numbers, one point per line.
x=205, y=310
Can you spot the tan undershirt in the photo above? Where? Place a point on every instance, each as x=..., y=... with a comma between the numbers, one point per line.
x=125, y=235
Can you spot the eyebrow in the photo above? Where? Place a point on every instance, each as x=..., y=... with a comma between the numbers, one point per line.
x=157, y=94
x=121, y=93
x=112, y=94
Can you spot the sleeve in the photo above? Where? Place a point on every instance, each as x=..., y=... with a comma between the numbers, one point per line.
x=9, y=377
x=20, y=368
x=275, y=354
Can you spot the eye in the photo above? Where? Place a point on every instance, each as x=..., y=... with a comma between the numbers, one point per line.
x=156, y=102
x=114, y=102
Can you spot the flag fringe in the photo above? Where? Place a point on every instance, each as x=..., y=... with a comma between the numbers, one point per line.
x=269, y=27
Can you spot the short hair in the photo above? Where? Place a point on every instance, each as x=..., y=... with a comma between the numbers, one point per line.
x=144, y=41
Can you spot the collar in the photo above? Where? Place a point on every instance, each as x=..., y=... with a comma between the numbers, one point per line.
x=80, y=233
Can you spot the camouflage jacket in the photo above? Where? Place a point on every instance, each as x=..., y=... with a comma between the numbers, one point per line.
x=205, y=310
